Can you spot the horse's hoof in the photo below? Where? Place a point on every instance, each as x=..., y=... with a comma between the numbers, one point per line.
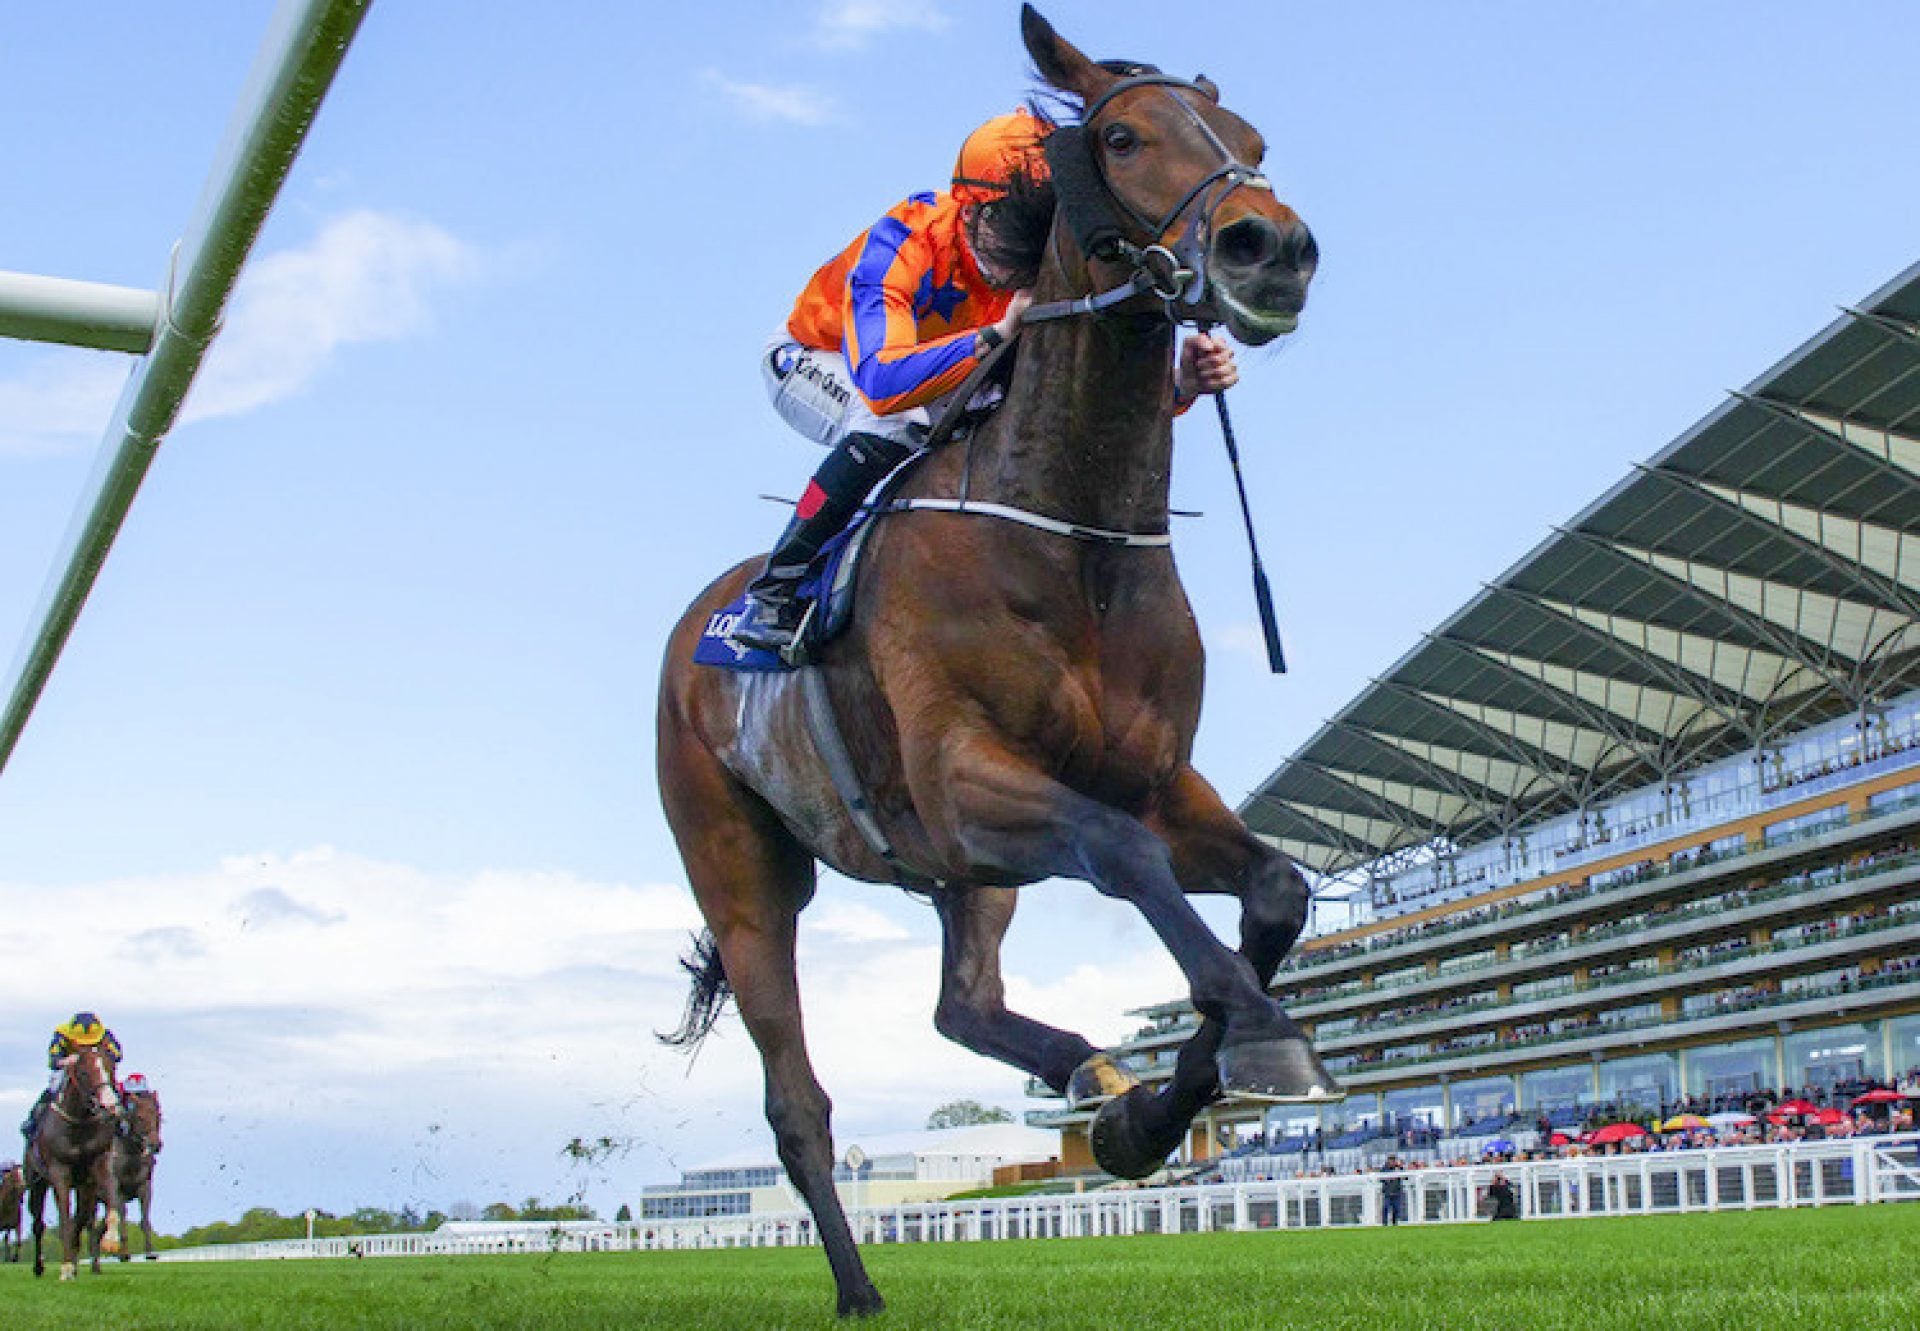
x=1121, y=1144
x=865, y=1302
x=1283, y=1071
x=1098, y=1080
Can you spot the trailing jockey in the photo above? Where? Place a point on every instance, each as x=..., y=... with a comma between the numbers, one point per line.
x=82, y=1030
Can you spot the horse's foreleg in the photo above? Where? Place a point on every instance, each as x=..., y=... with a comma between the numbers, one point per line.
x=973, y=1012
x=66, y=1213
x=1006, y=814
x=1214, y=852
x=146, y=1217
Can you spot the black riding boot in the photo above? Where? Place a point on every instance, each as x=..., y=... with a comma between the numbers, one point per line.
x=857, y=464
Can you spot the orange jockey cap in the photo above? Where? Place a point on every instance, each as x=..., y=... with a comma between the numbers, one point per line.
x=992, y=153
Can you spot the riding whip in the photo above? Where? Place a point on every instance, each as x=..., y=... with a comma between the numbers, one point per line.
x=1262, y=594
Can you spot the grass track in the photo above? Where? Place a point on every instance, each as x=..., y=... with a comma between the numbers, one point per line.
x=1846, y=1267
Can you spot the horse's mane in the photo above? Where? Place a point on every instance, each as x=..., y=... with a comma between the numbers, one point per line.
x=1012, y=234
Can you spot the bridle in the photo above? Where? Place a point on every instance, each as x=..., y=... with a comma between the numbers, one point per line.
x=130, y=1124
x=1088, y=201
x=102, y=1100
x=1176, y=275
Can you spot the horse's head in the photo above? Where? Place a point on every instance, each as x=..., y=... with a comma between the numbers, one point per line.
x=90, y=1074
x=143, y=1119
x=1193, y=211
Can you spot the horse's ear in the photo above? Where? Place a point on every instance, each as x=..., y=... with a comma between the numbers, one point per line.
x=1207, y=86
x=1058, y=61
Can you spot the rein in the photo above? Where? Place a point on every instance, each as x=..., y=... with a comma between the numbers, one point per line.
x=1176, y=275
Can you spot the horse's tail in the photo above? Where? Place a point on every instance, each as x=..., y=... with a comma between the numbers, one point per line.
x=708, y=998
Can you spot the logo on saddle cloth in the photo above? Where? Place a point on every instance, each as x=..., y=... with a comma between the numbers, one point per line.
x=828, y=586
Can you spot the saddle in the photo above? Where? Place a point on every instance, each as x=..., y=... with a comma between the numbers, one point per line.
x=829, y=585
x=827, y=588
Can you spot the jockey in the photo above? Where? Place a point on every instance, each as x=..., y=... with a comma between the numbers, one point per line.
x=892, y=324
x=82, y=1030
x=895, y=323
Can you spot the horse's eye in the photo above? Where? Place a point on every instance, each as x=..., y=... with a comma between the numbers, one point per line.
x=1120, y=139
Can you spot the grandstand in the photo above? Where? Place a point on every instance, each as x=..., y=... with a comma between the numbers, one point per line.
x=1640, y=824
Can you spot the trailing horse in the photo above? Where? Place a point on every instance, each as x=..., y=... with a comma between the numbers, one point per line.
x=134, y=1152
x=70, y=1155
x=1016, y=696
x=13, y=1187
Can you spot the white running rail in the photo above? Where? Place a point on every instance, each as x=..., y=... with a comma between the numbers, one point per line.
x=1857, y=1172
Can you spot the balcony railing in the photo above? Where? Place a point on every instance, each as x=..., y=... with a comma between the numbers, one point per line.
x=1345, y=953
x=1865, y=984
x=1827, y=876
x=1383, y=1026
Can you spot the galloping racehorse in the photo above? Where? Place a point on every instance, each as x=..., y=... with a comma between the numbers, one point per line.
x=13, y=1186
x=70, y=1155
x=134, y=1150
x=1020, y=685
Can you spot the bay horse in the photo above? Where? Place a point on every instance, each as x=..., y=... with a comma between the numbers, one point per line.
x=13, y=1187
x=1019, y=686
x=70, y=1155
x=134, y=1153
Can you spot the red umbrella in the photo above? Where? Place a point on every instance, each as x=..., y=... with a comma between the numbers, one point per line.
x=1559, y=1139
x=1616, y=1132
x=1796, y=1108
x=1826, y=1118
x=1881, y=1097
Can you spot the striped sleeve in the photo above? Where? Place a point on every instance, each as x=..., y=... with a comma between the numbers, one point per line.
x=892, y=368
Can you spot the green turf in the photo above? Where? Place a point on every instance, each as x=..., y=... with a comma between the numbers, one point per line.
x=1846, y=1267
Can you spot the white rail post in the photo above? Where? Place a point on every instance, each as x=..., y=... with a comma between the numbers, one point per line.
x=296, y=65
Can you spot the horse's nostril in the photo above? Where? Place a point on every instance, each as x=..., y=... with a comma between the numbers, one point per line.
x=1248, y=243
x=1301, y=249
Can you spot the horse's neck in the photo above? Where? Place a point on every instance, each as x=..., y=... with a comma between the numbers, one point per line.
x=1085, y=434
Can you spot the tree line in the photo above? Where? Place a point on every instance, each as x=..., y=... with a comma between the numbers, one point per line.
x=262, y=1224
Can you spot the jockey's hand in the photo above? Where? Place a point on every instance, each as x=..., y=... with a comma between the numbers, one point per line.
x=1010, y=321
x=1206, y=366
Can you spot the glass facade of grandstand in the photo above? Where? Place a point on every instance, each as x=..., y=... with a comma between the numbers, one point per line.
x=1751, y=925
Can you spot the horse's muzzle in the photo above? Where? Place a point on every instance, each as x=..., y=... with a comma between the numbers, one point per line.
x=1259, y=270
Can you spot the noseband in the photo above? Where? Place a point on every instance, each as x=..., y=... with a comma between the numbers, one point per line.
x=91, y=1106
x=1088, y=200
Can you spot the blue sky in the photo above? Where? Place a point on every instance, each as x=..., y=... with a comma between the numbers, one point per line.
x=348, y=769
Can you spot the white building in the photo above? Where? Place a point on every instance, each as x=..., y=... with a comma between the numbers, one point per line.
x=897, y=1168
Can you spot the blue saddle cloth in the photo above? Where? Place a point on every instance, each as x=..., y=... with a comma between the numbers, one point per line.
x=828, y=587
x=716, y=648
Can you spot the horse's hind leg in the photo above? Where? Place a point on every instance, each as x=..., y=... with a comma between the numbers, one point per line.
x=973, y=1009
x=37, y=1205
x=751, y=878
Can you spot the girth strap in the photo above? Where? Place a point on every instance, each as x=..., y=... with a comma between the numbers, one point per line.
x=1040, y=521
x=832, y=749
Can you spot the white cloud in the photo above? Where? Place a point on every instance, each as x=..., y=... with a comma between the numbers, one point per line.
x=60, y=402
x=791, y=103
x=327, y=1029
x=367, y=277
x=851, y=24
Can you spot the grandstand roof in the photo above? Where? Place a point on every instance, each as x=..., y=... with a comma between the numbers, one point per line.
x=1760, y=574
